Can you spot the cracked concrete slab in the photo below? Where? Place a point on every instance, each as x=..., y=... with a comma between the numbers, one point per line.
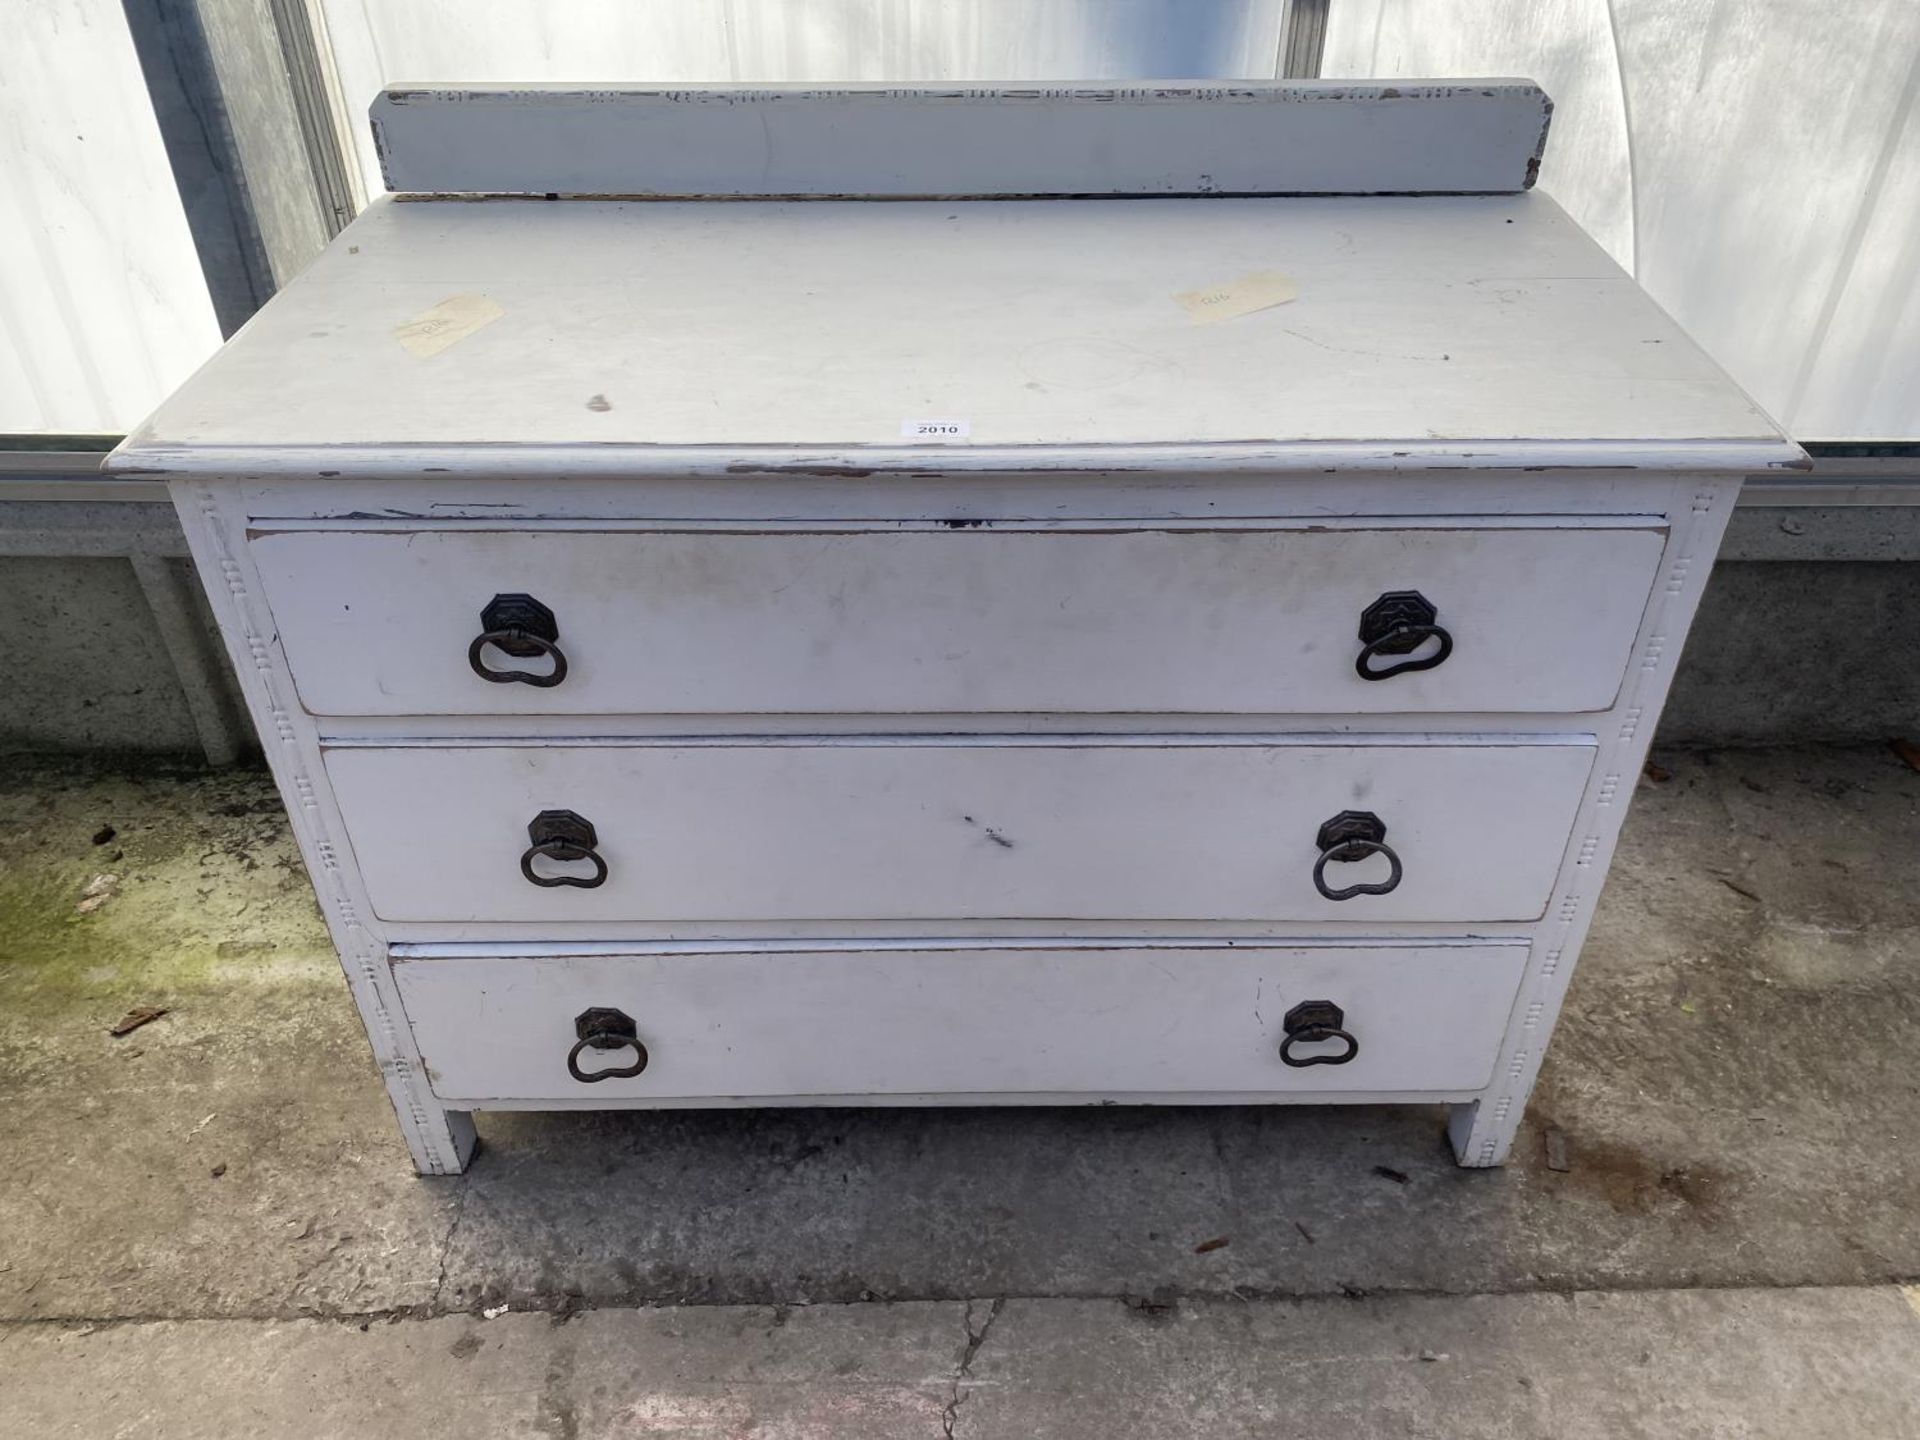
x=963, y=1379
x=1733, y=1084
x=1672, y=1365
x=1666, y=1364
x=717, y=1371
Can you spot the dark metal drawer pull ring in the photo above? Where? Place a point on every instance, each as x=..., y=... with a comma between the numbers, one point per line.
x=605, y=1029
x=563, y=836
x=1399, y=623
x=520, y=626
x=1354, y=835
x=1311, y=1021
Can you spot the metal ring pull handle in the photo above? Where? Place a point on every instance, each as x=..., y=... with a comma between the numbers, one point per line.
x=520, y=626
x=517, y=642
x=600, y=1028
x=1399, y=623
x=563, y=836
x=1354, y=835
x=561, y=851
x=1310, y=1022
x=1399, y=642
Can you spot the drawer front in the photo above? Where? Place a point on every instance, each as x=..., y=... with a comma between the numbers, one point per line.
x=1540, y=616
x=950, y=828
x=1162, y=1020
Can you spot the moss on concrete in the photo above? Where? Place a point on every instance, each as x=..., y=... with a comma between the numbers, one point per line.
x=206, y=890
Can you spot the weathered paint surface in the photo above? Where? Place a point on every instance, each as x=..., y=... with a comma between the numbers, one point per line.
x=1243, y=138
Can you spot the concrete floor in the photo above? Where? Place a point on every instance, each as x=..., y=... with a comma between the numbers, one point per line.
x=209, y=1227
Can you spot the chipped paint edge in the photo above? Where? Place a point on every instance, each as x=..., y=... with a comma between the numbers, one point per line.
x=1698, y=509
x=420, y=155
x=441, y=1140
x=141, y=455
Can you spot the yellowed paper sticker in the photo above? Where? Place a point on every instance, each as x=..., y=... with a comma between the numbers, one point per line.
x=1261, y=290
x=446, y=324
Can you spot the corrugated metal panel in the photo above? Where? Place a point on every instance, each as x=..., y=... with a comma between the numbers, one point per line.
x=1757, y=165
x=103, y=308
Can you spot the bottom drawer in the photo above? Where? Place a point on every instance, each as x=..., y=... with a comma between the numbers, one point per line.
x=1067, y=1019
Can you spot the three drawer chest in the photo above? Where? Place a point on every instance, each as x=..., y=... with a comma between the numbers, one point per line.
x=867, y=596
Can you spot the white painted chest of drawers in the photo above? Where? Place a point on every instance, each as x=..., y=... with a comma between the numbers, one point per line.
x=1186, y=633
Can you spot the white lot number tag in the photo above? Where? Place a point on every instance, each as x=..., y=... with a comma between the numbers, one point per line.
x=944, y=428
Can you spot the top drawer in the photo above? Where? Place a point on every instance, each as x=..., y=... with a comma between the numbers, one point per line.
x=1146, y=617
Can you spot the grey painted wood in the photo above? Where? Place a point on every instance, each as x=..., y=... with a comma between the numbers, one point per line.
x=741, y=338
x=1132, y=617
x=1447, y=364
x=1169, y=137
x=441, y=1140
x=930, y=829
x=1066, y=1022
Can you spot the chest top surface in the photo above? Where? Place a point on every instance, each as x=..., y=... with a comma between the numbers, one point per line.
x=1014, y=325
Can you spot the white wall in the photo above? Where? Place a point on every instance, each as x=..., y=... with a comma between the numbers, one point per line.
x=103, y=308
x=1756, y=163
x=381, y=42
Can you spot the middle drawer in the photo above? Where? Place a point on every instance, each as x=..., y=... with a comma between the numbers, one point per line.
x=913, y=828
